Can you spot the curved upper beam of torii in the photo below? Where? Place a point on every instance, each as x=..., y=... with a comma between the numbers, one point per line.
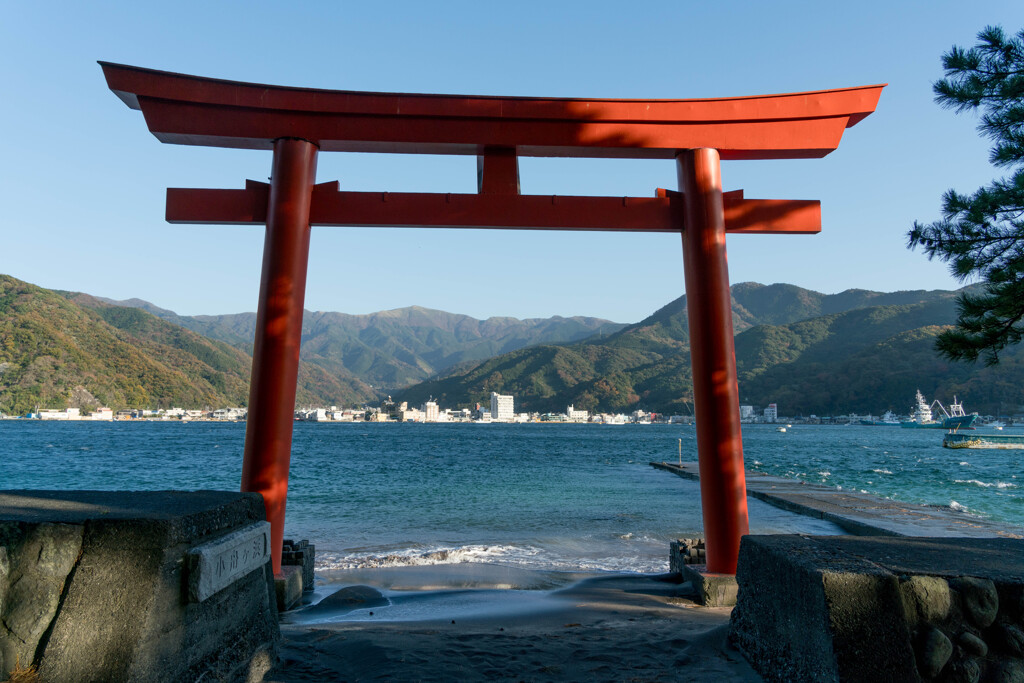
x=297, y=123
x=191, y=110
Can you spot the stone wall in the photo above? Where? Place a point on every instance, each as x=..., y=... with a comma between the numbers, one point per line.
x=95, y=585
x=880, y=609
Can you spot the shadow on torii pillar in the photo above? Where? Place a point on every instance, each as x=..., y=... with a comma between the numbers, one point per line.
x=298, y=123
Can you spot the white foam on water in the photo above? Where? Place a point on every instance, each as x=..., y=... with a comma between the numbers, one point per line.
x=419, y=557
x=986, y=484
x=523, y=557
x=881, y=471
x=953, y=505
x=965, y=464
x=825, y=473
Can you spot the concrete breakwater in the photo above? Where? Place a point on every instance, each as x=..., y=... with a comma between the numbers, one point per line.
x=860, y=514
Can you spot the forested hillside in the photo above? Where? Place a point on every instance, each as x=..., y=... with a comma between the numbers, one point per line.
x=55, y=353
x=808, y=352
x=392, y=349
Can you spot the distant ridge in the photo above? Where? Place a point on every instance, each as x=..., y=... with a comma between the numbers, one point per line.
x=389, y=350
x=809, y=352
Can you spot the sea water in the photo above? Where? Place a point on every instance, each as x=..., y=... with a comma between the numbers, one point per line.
x=532, y=497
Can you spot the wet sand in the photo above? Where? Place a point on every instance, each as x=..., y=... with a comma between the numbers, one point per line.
x=603, y=628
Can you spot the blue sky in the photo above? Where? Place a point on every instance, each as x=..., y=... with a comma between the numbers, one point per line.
x=83, y=185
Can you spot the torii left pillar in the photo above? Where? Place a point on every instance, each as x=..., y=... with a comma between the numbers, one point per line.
x=275, y=358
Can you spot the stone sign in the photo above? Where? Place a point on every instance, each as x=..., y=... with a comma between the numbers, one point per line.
x=216, y=565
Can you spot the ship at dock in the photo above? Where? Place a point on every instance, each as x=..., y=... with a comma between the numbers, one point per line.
x=887, y=420
x=922, y=416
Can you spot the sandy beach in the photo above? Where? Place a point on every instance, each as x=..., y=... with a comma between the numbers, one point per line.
x=475, y=622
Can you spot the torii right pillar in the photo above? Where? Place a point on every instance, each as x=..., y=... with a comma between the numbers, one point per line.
x=723, y=487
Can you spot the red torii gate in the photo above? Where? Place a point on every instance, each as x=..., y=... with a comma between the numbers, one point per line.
x=296, y=123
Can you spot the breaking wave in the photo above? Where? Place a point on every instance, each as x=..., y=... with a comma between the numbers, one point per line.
x=418, y=557
x=986, y=484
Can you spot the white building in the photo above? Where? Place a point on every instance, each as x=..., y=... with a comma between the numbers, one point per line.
x=502, y=408
x=747, y=413
x=53, y=414
x=408, y=414
x=576, y=415
x=431, y=411
x=771, y=413
x=462, y=415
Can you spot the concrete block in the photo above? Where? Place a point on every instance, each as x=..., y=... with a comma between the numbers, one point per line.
x=841, y=608
x=805, y=612
x=685, y=551
x=119, y=568
x=303, y=554
x=713, y=590
x=288, y=587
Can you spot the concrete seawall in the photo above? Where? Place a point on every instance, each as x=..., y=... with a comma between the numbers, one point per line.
x=860, y=514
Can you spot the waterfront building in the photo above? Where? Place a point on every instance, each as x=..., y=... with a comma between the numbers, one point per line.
x=747, y=413
x=574, y=415
x=502, y=407
x=407, y=414
x=234, y=414
x=431, y=411
x=67, y=414
x=771, y=413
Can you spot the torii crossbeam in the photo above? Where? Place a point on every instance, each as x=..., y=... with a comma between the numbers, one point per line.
x=297, y=123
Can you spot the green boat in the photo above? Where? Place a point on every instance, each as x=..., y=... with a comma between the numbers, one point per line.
x=955, y=418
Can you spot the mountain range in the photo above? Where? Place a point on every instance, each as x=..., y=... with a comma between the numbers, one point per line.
x=808, y=352
x=62, y=348
x=390, y=350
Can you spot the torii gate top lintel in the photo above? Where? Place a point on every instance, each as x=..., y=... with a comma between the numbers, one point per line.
x=193, y=110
